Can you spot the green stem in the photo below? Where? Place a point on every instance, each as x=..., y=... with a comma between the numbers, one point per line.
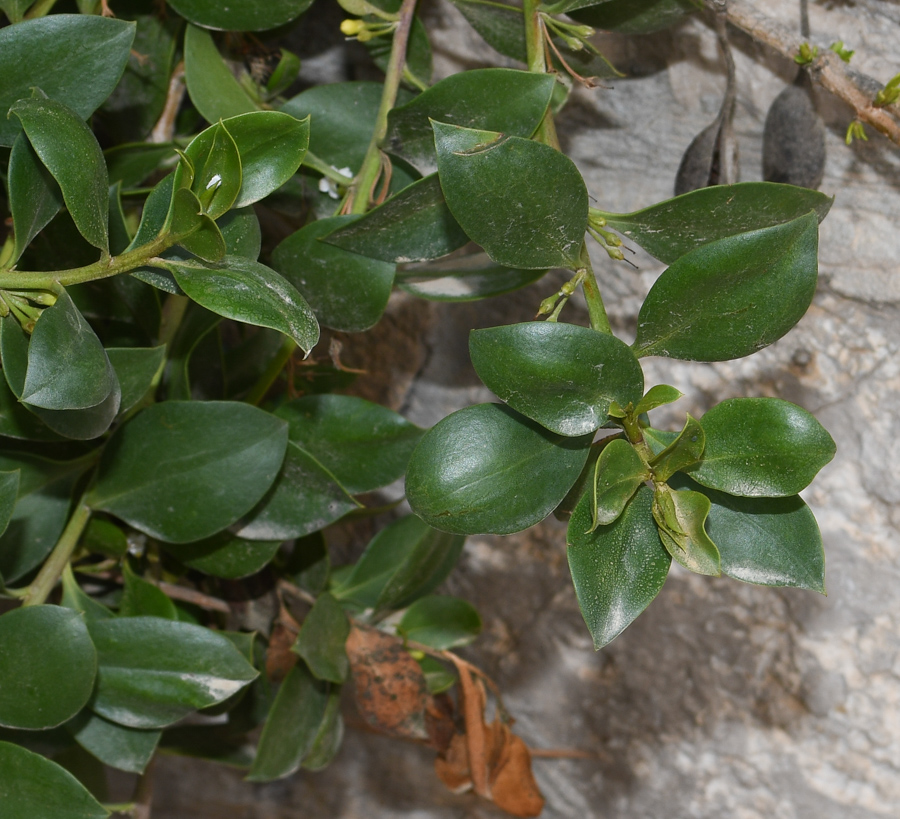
x=595, y=306
x=59, y=558
x=276, y=365
x=371, y=165
x=537, y=64
x=328, y=171
x=40, y=9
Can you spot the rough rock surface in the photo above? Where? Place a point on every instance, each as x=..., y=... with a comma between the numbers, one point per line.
x=722, y=700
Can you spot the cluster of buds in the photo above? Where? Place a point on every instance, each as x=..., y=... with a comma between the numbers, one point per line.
x=608, y=240
x=573, y=35
x=364, y=31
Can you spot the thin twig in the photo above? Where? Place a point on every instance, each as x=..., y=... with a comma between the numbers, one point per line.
x=186, y=595
x=164, y=129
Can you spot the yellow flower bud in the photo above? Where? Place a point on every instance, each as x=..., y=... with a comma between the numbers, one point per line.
x=352, y=27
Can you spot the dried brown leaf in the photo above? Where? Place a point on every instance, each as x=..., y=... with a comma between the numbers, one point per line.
x=279, y=657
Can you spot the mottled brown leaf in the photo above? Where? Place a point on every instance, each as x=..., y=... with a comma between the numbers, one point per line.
x=279, y=657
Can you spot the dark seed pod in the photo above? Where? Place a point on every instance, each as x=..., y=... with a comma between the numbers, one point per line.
x=711, y=159
x=794, y=138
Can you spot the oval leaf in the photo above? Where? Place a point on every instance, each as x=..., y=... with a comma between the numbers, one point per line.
x=794, y=138
x=682, y=453
x=321, y=640
x=240, y=15
x=464, y=279
x=441, y=622
x=225, y=555
x=618, y=474
x=128, y=749
x=34, y=195
x=681, y=516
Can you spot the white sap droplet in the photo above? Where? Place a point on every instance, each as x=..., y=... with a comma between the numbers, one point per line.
x=214, y=182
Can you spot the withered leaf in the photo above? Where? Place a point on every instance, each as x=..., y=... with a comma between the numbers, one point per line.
x=279, y=657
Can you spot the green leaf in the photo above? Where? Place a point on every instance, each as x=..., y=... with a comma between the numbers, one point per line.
x=225, y=555
x=363, y=445
x=766, y=541
x=304, y=498
x=617, y=476
x=74, y=598
x=241, y=232
x=240, y=15
x=761, y=447
x=212, y=87
x=128, y=749
x=15, y=420
x=487, y=469
x=47, y=667
x=682, y=453
x=135, y=367
x=628, y=16
x=657, y=396
x=732, y=297
x=617, y=569
x=247, y=291
x=182, y=471
x=680, y=516
x=414, y=225
x=70, y=151
x=141, y=598
x=32, y=786
x=292, y=725
x=196, y=231
x=524, y=202
x=329, y=736
x=154, y=672
x=133, y=163
x=156, y=212
x=215, y=178
x=490, y=99
x=67, y=365
x=82, y=77
x=561, y=375
x=501, y=26
x=346, y=291
x=321, y=640
x=441, y=622
x=34, y=196
x=15, y=9
x=403, y=561
x=671, y=229
x=437, y=678
x=9, y=493
x=464, y=279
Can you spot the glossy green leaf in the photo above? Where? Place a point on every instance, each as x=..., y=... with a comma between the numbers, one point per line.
x=561, y=375
x=212, y=87
x=681, y=516
x=83, y=424
x=70, y=152
x=67, y=365
x=285, y=73
x=441, y=622
x=34, y=195
x=81, y=77
x=685, y=451
x=73, y=597
x=18, y=422
x=321, y=640
x=490, y=99
x=196, y=231
x=501, y=26
x=292, y=725
x=732, y=297
x=766, y=541
x=346, y=291
x=141, y=598
x=329, y=736
x=657, y=396
x=225, y=555
x=240, y=15
x=363, y=445
x=413, y=226
x=464, y=279
x=309, y=564
x=524, y=202
x=628, y=16
x=247, y=291
x=216, y=163
x=135, y=367
x=128, y=749
x=618, y=474
x=618, y=569
x=153, y=672
x=305, y=497
x=761, y=447
x=487, y=469
x=47, y=666
x=671, y=229
x=9, y=493
x=241, y=232
x=32, y=786
x=437, y=678
x=182, y=471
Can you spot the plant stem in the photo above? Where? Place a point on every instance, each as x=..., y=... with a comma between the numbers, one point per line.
x=310, y=160
x=276, y=365
x=595, y=306
x=537, y=64
x=59, y=558
x=371, y=165
x=40, y=9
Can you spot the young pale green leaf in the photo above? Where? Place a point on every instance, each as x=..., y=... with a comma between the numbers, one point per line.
x=181, y=471
x=522, y=201
x=627, y=16
x=70, y=151
x=682, y=453
x=38, y=53
x=671, y=229
x=47, y=667
x=464, y=279
x=196, y=231
x=561, y=375
x=135, y=367
x=441, y=622
x=127, y=749
x=321, y=640
x=617, y=569
x=657, y=396
x=681, y=516
x=363, y=445
x=618, y=474
x=9, y=494
x=73, y=597
x=329, y=736
x=292, y=725
x=487, y=469
x=34, y=195
x=501, y=26
x=765, y=541
x=212, y=87
x=68, y=369
x=154, y=672
x=732, y=297
x=141, y=598
x=761, y=447
x=32, y=786
x=403, y=561
x=247, y=291
x=216, y=178
x=305, y=497
x=346, y=291
x=225, y=555
x=414, y=225
x=240, y=15
x=490, y=99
